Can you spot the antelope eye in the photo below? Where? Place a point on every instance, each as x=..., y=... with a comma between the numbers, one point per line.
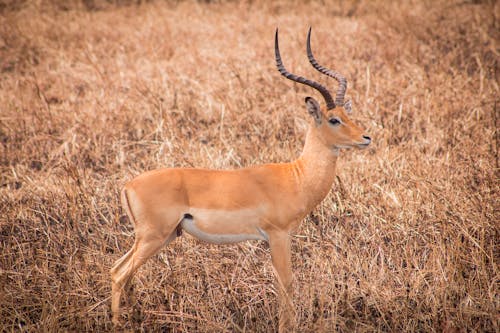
x=334, y=121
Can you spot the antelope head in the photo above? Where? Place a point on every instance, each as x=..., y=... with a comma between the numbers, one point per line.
x=332, y=124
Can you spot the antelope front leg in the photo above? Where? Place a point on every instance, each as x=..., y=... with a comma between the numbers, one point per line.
x=279, y=244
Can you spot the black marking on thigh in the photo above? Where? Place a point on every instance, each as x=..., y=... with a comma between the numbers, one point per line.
x=179, y=227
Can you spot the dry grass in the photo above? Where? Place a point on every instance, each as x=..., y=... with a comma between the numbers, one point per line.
x=92, y=94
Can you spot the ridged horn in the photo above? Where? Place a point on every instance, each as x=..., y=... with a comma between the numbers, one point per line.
x=330, y=104
x=339, y=98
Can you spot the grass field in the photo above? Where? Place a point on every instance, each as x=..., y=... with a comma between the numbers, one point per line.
x=93, y=93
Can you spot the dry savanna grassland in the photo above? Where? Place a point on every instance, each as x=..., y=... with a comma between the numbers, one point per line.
x=92, y=93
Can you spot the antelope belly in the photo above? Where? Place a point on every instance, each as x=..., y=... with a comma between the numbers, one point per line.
x=222, y=227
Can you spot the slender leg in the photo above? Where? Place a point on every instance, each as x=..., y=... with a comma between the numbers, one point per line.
x=122, y=272
x=281, y=258
x=117, y=281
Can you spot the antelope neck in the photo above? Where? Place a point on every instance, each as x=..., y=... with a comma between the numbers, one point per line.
x=316, y=169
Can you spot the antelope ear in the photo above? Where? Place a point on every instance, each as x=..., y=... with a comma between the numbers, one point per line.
x=314, y=110
x=348, y=106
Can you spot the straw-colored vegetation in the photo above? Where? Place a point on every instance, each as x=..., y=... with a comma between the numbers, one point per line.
x=93, y=93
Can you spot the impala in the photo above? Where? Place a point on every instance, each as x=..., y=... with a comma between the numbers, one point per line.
x=265, y=202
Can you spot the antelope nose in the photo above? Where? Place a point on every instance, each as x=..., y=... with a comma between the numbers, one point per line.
x=367, y=138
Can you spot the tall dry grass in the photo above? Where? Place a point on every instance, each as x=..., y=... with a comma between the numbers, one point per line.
x=93, y=93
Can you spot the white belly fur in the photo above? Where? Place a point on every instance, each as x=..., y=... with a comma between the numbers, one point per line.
x=223, y=220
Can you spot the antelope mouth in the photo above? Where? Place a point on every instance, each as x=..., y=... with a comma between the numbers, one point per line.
x=366, y=142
